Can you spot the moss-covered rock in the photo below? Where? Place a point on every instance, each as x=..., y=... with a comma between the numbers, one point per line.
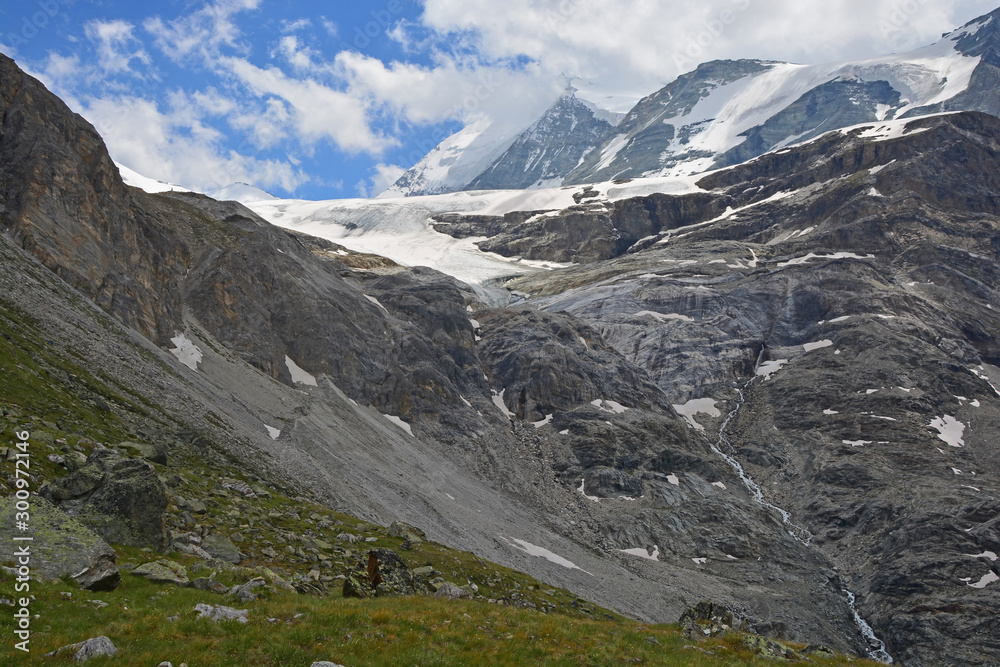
x=163, y=571
x=221, y=547
x=62, y=546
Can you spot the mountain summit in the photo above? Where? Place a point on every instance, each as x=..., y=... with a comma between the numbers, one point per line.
x=725, y=112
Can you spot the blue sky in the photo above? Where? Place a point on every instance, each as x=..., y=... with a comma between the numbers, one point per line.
x=334, y=99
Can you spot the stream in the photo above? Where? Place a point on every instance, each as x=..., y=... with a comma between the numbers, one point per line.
x=876, y=647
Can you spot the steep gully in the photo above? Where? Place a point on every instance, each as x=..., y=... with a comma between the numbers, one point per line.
x=725, y=450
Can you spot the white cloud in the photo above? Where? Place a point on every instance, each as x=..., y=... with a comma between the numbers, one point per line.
x=317, y=111
x=59, y=73
x=202, y=32
x=636, y=46
x=382, y=176
x=176, y=146
x=330, y=26
x=116, y=46
x=300, y=57
x=296, y=25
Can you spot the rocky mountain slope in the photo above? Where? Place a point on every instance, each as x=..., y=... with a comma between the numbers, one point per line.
x=510, y=152
x=371, y=390
x=777, y=391
x=548, y=150
x=726, y=112
x=835, y=333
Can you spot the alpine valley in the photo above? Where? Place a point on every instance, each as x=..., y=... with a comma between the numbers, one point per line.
x=740, y=346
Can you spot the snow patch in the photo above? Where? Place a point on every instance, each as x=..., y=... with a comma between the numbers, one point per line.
x=673, y=479
x=809, y=347
x=698, y=406
x=609, y=406
x=950, y=430
x=152, y=186
x=987, y=579
x=186, y=351
x=540, y=552
x=377, y=303
x=399, y=422
x=811, y=256
x=583, y=483
x=720, y=485
x=273, y=432
x=830, y=412
x=857, y=443
x=644, y=553
x=769, y=368
x=498, y=401
x=299, y=376
x=875, y=170
x=547, y=420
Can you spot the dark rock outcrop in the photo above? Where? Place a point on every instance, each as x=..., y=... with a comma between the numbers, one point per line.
x=120, y=499
x=383, y=574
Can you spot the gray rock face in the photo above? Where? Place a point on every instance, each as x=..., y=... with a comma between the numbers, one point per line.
x=548, y=150
x=42, y=143
x=62, y=546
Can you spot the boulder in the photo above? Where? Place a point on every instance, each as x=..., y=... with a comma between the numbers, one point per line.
x=450, y=591
x=357, y=585
x=220, y=613
x=385, y=574
x=62, y=546
x=122, y=500
x=129, y=506
x=155, y=452
x=75, y=485
x=210, y=584
x=222, y=548
x=85, y=650
x=407, y=532
x=706, y=619
x=389, y=574
x=163, y=571
x=246, y=592
x=770, y=649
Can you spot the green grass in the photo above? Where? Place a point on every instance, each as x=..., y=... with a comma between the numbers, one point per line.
x=393, y=631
